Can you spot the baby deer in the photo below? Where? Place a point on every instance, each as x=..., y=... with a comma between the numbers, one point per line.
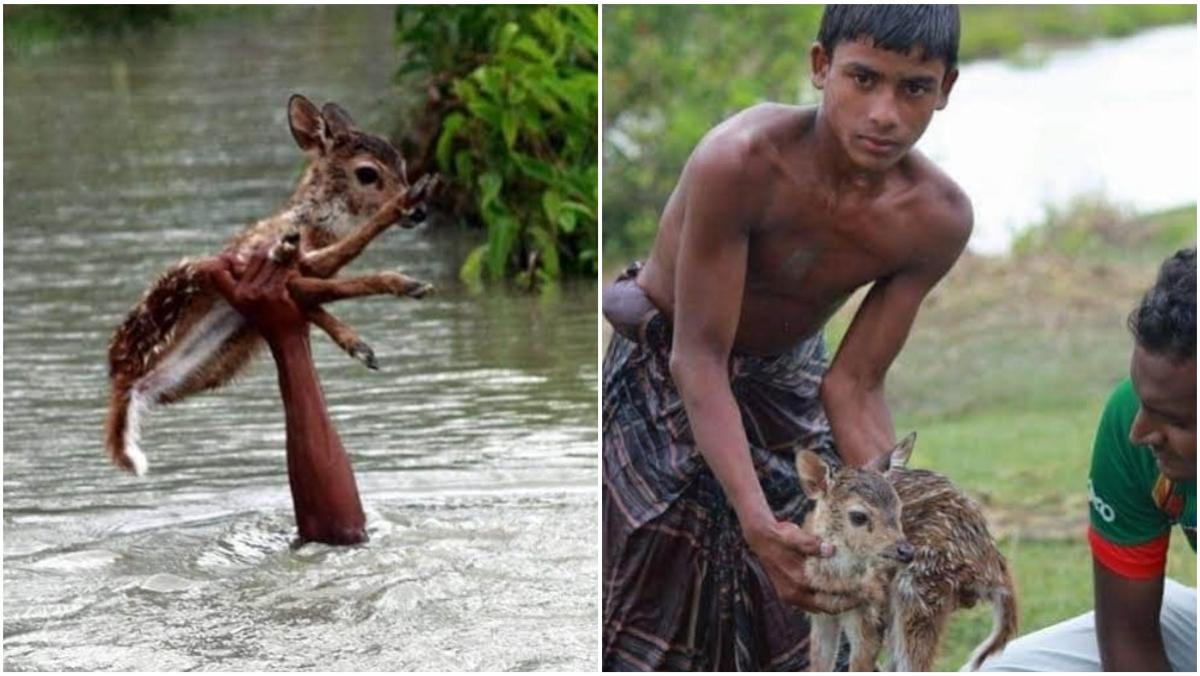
x=912, y=548
x=183, y=338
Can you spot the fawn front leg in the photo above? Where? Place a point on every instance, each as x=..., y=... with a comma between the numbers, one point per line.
x=864, y=629
x=344, y=336
x=823, y=641
x=310, y=291
x=326, y=262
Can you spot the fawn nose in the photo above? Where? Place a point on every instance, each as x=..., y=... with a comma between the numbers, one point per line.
x=904, y=552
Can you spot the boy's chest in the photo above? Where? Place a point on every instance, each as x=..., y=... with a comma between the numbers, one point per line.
x=826, y=252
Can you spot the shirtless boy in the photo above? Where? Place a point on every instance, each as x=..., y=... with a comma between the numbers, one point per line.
x=717, y=370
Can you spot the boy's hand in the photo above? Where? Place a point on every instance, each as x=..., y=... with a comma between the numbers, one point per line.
x=782, y=548
x=260, y=294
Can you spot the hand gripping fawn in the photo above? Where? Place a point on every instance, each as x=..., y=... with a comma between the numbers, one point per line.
x=911, y=548
x=183, y=338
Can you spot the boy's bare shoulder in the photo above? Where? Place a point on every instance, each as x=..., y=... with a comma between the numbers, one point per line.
x=740, y=146
x=941, y=206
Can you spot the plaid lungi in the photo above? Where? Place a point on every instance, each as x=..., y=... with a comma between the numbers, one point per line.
x=681, y=589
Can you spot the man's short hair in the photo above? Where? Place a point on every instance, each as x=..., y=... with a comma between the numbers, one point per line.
x=1165, y=322
x=896, y=28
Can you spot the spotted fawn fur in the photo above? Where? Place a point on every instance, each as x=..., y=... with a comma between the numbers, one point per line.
x=913, y=548
x=183, y=338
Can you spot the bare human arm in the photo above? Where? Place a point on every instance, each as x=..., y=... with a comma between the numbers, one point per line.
x=853, y=389
x=324, y=492
x=1127, y=625
x=710, y=277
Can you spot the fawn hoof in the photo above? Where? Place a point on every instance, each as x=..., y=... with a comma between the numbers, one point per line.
x=363, y=352
x=424, y=187
x=419, y=290
x=287, y=250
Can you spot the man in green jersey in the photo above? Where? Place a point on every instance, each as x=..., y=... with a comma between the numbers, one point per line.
x=1143, y=481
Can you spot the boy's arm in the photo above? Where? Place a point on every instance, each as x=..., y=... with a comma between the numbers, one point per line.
x=852, y=391
x=709, y=280
x=324, y=493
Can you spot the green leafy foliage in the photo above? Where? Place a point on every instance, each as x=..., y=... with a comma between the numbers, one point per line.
x=513, y=98
x=673, y=72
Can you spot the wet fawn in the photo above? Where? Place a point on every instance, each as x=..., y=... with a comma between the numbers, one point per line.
x=183, y=338
x=913, y=548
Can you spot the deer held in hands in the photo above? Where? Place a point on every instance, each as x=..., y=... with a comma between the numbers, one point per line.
x=183, y=338
x=911, y=548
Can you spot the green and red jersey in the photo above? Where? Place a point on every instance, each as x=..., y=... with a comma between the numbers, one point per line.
x=1133, y=505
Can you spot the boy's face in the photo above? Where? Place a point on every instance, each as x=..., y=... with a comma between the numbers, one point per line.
x=878, y=102
x=1166, y=419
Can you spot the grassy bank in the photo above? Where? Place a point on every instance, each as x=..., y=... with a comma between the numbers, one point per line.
x=1002, y=30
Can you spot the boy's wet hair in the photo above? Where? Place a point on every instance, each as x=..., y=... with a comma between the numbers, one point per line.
x=896, y=28
x=1165, y=322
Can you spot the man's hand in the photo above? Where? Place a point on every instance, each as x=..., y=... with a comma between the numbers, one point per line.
x=782, y=548
x=260, y=294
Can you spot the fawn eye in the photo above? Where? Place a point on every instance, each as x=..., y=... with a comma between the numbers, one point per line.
x=366, y=175
x=858, y=518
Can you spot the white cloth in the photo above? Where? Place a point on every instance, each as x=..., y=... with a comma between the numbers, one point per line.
x=1071, y=645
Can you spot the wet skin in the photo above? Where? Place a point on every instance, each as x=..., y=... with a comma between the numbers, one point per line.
x=324, y=493
x=780, y=214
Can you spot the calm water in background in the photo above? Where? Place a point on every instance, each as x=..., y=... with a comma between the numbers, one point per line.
x=475, y=446
x=1115, y=118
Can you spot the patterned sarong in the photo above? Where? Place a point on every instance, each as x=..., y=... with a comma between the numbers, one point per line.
x=681, y=589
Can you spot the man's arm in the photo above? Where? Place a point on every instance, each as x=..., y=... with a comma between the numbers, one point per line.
x=852, y=391
x=1127, y=624
x=324, y=493
x=1128, y=537
x=710, y=277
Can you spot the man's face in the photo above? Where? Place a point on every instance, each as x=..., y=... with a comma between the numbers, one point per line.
x=1166, y=420
x=878, y=102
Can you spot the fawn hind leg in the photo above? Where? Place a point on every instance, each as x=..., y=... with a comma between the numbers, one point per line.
x=915, y=638
x=344, y=336
x=311, y=291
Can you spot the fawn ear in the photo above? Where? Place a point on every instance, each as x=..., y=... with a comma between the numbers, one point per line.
x=900, y=454
x=308, y=127
x=337, y=121
x=814, y=473
x=896, y=457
